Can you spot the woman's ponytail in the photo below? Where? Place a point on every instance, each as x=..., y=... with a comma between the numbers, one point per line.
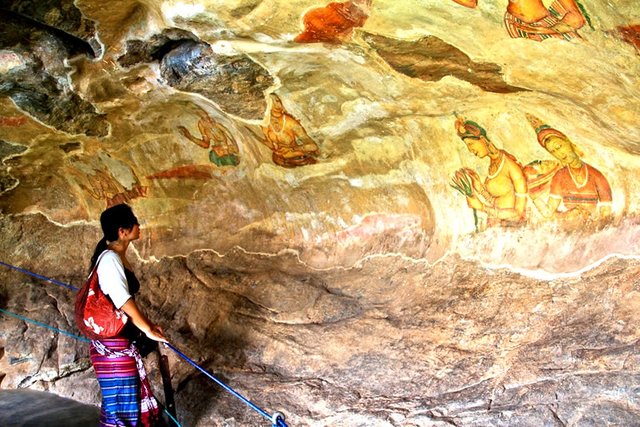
x=100, y=247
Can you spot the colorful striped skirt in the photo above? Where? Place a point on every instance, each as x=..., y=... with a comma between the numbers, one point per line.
x=126, y=395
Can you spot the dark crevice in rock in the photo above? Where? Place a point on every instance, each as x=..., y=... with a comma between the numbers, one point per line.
x=236, y=83
x=38, y=93
x=441, y=418
x=7, y=182
x=431, y=59
x=17, y=28
x=36, y=75
x=554, y=412
x=8, y=149
x=154, y=49
x=70, y=146
x=62, y=15
x=68, y=370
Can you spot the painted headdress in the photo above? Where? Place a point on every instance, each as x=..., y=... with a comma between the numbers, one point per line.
x=469, y=129
x=543, y=131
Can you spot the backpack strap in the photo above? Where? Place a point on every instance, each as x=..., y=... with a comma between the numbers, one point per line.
x=95, y=267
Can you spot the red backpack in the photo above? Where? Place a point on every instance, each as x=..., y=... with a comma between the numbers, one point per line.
x=96, y=316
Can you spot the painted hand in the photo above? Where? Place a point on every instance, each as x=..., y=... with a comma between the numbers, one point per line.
x=474, y=203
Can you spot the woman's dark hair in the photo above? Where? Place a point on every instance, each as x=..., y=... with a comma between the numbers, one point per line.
x=112, y=220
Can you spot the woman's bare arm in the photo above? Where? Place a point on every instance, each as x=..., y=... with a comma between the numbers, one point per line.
x=141, y=321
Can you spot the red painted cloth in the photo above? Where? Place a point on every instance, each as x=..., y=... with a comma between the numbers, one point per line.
x=631, y=34
x=593, y=190
x=331, y=23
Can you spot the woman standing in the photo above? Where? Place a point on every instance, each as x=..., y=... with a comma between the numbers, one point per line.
x=126, y=396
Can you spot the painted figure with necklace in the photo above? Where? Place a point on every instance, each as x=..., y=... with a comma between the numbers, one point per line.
x=531, y=19
x=578, y=190
x=286, y=137
x=503, y=194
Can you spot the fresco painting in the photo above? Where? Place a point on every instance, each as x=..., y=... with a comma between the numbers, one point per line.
x=578, y=191
x=223, y=149
x=12, y=121
x=334, y=22
x=105, y=178
x=564, y=189
x=502, y=196
x=287, y=138
x=630, y=34
x=185, y=172
x=290, y=190
x=531, y=19
x=539, y=174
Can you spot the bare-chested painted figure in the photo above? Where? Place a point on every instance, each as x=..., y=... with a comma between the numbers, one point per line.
x=286, y=137
x=223, y=148
x=531, y=19
x=503, y=194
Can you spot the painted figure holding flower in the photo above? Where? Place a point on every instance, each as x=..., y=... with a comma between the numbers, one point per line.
x=502, y=196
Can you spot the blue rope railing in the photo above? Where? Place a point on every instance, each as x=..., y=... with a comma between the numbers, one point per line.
x=30, y=273
x=44, y=325
x=277, y=419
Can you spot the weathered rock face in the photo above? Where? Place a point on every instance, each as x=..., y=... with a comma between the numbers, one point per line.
x=300, y=233
x=36, y=41
x=22, y=408
x=235, y=83
x=431, y=59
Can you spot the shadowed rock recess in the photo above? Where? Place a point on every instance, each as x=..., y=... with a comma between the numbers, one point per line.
x=431, y=220
x=235, y=82
x=34, y=74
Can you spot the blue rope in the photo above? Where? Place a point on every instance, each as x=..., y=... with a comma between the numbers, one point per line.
x=66, y=285
x=35, y=322
x=277, y=419
x=172, y=418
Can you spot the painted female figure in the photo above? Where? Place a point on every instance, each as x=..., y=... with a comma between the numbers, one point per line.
x=503, y=194
x=531, y=19
x=333, y=22
x=223, y=148
x=286, y=137
x=578, y=190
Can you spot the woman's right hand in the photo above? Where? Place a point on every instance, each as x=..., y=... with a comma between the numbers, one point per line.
x=183, y=130
x=156, y=334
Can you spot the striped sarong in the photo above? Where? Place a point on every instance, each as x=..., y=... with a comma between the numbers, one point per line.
x=517, y=28
x=126, y=395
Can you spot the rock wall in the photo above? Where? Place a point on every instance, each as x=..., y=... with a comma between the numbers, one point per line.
x=361, y=213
